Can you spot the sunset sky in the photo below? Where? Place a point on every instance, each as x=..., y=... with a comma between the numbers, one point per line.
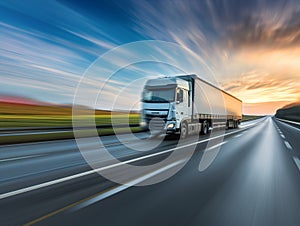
x=252, y=48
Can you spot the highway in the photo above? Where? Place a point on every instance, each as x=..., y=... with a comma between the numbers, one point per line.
x=254, y=180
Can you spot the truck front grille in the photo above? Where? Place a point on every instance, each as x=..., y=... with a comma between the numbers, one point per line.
x=156, y=123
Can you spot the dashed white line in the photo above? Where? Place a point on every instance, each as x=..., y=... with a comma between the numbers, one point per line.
x=215, y=146
x=124, y=187
x=238, y=135
x=282, y=136
x=297, y=161
x=32, y=133
x=287, y=144
x=19, y=158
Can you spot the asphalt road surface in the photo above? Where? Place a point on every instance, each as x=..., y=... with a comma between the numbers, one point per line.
x=253, y=180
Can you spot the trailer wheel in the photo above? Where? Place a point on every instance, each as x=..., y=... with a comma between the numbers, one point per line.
x=204, y=128
x=236, y=124
x=183, y=131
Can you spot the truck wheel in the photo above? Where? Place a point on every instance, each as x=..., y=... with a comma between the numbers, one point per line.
x=183, y=131
x=227, y=125
x=237, y=124
x=204, y=128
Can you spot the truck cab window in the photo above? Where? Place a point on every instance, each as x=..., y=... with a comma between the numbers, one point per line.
x=179, y=95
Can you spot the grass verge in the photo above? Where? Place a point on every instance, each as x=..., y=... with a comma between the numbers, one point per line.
x=26, y=138
x=251, y=117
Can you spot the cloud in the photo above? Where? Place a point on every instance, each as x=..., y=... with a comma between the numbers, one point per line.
x=255, y=30
x=250, y=47
x=46, y=49
x=258, y=86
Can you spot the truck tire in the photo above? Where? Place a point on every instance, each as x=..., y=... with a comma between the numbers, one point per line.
x=236, y=124
x=204, y=128
x=183, y=131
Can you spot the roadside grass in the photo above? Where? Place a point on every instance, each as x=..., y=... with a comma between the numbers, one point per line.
x=28, y=121
x=251, y=117
x=23, y=121
x=26, y=138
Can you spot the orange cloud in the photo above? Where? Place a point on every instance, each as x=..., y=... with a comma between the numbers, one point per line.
x=263, y=108
x=274, y=78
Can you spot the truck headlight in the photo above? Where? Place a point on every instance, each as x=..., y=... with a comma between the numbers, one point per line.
x=171, y=126
x=143, y=123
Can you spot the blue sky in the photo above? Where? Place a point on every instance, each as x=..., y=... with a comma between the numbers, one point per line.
x=251, y=47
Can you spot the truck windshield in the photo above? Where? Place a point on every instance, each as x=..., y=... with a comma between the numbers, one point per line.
x=159, y=96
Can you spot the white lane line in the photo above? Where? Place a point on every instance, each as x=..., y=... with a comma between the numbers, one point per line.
x=32, y=133
x=75, y=176
x=297, y=161
x=215, y=146
x=282, y=136
x=124, y=187
x=19, y=158
x=236, y=136
x=287, y=144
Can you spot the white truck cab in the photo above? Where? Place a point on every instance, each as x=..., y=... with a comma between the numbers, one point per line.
x=166, y=102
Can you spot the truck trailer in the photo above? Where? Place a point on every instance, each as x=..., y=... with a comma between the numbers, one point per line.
x=186, y=104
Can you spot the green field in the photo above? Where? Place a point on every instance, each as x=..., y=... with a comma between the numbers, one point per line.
x=251, y=117
x=23, y=121
x=62, y=135
x=20, y=116
x=36, y=121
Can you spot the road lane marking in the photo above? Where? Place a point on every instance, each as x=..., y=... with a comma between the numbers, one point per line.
x=236, y=136
x=19, y=158
x=297, y=161
x=287, y=144
x=75, y=176
x=32, y=133
x=104, y=194
x=282, y=136
x=126, y=186
x=215, y=146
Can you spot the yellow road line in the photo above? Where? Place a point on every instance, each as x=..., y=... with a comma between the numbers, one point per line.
x=51, y=214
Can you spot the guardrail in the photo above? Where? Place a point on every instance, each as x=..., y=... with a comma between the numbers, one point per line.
x=288, y=121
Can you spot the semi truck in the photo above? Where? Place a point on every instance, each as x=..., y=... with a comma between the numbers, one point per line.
x=187, y=104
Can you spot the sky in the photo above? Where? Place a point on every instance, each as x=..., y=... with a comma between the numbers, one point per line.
x=251, y=49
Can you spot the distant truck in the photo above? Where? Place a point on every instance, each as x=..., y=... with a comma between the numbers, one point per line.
x=186, y=104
